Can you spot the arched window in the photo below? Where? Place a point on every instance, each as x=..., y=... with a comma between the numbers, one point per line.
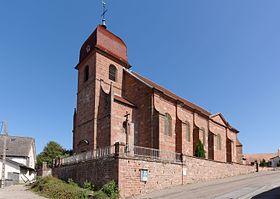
x=188, y=132
x=168, y=125
x=83, y=145
x=112, y=73
x=86, y=73
x=203, y=136
x=219, y=142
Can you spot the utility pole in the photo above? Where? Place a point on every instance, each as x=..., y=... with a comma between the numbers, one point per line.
x=5, y=133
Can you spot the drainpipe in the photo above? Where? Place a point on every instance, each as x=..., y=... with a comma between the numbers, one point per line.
x=208, y=127
x=176, y=116
x=152, y=120
x=181, y=154
x=194, y=127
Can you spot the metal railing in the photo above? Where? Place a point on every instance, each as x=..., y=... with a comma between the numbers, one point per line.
x=110, y=151
x=156, y=154
x=90, y=155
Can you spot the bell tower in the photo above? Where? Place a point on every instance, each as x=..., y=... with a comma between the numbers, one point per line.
x=103, y=57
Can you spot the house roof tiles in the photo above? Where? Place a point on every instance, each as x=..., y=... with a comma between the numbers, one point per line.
x=16, y=146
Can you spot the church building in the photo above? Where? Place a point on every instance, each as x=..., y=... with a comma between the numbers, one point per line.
x=116, y=104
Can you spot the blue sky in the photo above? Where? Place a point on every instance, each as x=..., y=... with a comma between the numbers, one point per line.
x=221, y=55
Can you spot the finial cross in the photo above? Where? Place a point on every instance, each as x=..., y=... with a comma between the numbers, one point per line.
x=103, y=13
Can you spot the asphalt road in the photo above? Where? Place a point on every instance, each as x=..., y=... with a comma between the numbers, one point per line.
x=265, y=185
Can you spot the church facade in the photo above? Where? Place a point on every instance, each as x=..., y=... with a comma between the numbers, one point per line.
x=115, y=104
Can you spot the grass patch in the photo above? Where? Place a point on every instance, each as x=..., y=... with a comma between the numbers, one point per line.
x=108, y=190
x=54, y=188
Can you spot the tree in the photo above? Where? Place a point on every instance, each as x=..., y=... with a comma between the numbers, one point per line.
x=199, y=151
x=51, y=151
x=263, y=163
x=269, y=164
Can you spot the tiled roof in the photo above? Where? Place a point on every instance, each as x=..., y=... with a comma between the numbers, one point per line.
x=172, y=95
x=184, y=101
x=252, y=157
x=106, y=41
x=274, y=157
x=17, y=146
x=124, y=101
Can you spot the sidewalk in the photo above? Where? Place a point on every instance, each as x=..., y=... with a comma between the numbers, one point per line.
x=18, y=192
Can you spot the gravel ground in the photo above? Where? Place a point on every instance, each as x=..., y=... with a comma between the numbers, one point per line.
x=18, y=192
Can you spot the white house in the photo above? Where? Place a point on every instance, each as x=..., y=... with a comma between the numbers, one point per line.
x=20, y=159
x=274, y=161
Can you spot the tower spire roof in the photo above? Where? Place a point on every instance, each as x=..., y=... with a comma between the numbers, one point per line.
x=107, y=42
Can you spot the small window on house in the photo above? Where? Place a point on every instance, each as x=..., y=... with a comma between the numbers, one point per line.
x=219, y=142
x=188, y=132
x=168, y=125
x=112, y=73
x=203, y=136
x=86, y=73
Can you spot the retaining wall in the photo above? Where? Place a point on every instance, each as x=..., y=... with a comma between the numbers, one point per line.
x=162, y=174
x=98, y=171
x=126, y=172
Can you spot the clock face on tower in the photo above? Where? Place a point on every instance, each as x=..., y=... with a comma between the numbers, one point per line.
x=88, y=48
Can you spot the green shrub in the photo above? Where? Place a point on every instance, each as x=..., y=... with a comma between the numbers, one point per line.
x=199, y=151
x=269, y=164
x=71, y=182
x=57, y=189
x=263, y=163
x=54, y=188
x=109, y=190
x=88, y=185
x=100, y=195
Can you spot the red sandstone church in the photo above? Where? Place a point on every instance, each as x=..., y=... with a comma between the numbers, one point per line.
x=115, y=104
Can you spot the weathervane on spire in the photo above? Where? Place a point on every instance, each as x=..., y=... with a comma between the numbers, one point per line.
x=103, y=13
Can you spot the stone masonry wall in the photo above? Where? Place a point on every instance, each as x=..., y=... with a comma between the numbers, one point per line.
x=162, y=175
x=117, y=121
x=99, y=171
x=165, y=106
x=140, y=94
x=44, y=170
x=199, y=170
x=84, y=122
x=186, y=116
x=219, y=154
x=126, y=172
